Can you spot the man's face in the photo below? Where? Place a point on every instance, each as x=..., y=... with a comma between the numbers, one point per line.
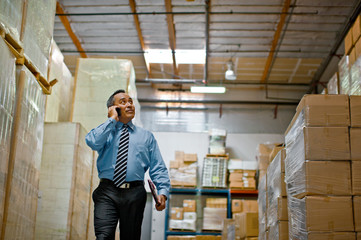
x=125, y=103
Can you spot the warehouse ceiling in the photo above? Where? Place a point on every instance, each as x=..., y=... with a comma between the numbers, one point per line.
x=279, y=42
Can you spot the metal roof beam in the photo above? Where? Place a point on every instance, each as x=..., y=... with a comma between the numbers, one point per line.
x=171, y=33
x=276, y=37
x=139, y=31
x=66, y=23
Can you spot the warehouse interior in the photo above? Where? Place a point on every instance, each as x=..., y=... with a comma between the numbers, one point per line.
x=255, y=107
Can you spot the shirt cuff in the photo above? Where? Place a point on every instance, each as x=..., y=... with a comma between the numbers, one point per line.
x=164, y=192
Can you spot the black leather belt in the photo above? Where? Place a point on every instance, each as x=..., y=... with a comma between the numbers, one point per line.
x=124, y=185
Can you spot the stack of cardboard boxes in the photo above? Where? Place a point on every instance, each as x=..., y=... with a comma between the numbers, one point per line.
x=262, y=208
x=277, y=214
x=318, y=170
x=183, y=170
x=242, y=179
x=217, y=142
x=265, y=154
x=214, y=172
x=214, y=213
x=245, y=215
x=185, y=217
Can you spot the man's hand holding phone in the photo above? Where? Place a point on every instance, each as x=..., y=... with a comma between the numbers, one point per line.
x=114, y=112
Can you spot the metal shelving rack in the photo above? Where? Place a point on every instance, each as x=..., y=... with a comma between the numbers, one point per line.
x=204, y=191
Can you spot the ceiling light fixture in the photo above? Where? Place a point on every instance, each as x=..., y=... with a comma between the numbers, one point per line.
x=183, y=56
x=230, y=74
x=207, y=89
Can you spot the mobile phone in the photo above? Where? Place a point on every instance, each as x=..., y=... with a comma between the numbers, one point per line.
x=118, y=111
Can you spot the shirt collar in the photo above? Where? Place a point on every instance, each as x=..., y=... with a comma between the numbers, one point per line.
x=130, y=125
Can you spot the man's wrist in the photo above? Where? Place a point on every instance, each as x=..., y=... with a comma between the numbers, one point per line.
x=165, y=197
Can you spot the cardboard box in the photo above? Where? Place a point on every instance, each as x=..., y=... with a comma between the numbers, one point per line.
x=237, y=205
x=277, y=211
x=355, y=111
x=189, y=216
x=356, y=29
x=206, y=237
x=274, y=152
x=278, y=231
x=229, y=229
x=325, y=110
x=331, y=236
x=190, y=157
x=235, y=176
x=325, y=143
x=216, y=202
x=358, y=49
x=173, y=164
x=213, y=218
x=176, y=213
x=179, y=156
x=250, y=184
x=348, y=42
x=358, y=236
x=248, y=224
x=249, y=173
x=356, y=177
x=322, y=213
x=357, y=212
x=189, y=205
x=250, y=206
x=319, y=178
x=355, y=140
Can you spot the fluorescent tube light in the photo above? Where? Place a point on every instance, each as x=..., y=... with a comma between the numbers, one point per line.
x=183, y=56
x=207, y=89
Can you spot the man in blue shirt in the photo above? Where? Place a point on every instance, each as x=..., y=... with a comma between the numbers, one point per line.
x=123, y=197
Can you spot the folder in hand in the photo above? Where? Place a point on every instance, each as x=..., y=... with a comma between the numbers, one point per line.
x=154, y=192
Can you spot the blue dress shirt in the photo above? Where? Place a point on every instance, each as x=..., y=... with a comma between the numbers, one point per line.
x=143, y=153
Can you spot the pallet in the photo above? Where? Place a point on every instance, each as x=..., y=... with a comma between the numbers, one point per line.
x=217, y=155
x=17, y=49
x=14, y=45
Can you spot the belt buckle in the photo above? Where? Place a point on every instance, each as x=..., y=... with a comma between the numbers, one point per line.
x=125, y=185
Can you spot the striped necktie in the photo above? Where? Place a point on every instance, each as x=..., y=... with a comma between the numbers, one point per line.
x=120, y=170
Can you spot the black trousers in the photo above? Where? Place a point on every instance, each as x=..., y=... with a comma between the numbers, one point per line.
x=112, y=204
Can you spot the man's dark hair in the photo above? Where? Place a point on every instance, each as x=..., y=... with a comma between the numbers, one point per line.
x=110, y=101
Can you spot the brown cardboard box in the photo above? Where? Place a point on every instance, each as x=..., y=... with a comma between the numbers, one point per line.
x=282, y=209
x=179, y=156
x=356, y=29
x=237, y=205
x=216, y=202
x=248, y=224
x=249, y=173
x=235, y=176
x=357, y=212
x=358, y=49
x=173, y=164
x=206, y=237
x=189, y=205
x=356, y=177
x=355, y=111
x=326, y=143
x=320, y=178
x=328, y=214
x=352, y=56
x=355, y=140
x=274, y=152
x=190, y=157
x=348, y=42
x=278, y=231
x=325, y=110
x=250, y=206
x=181, y=238
x=176, y=213
x=358, y=236
x=249, y=184
x=331, y=236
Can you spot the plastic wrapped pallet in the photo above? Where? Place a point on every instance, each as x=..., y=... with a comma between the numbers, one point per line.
x=276, y=186
x=29, y=142
x=278, y=231
x=7, y=107
x=262, y=205
x=38, y=32
x=213, y=218
x=229, y=230
x=263, y=152
x=333, y=85
x=65, y=183
x=344, y=74
x=355, y=72
x=319, y=214
x=214, y=172
x=316, y=110
x=58, y=104
x=217, y=141
x=97, y=79
x=11, y=13
x=185, y=175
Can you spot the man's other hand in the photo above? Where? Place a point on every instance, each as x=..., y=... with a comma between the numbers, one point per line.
x=162, y=201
